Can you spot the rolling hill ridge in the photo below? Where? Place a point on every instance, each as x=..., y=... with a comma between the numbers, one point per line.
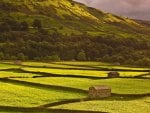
x=72, y=16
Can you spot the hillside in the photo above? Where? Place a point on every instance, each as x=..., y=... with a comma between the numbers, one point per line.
x=72, y=16
x=67, y=30
x=144, y=22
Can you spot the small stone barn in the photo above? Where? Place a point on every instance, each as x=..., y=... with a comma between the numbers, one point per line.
x=18, y=62
x=113, y=74
x=99, y=91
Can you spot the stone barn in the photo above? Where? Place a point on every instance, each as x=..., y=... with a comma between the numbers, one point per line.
x=113, y=74
x=18, y=62
x=99, y=91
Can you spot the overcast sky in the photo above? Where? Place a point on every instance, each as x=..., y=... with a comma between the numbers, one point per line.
x=139, y=9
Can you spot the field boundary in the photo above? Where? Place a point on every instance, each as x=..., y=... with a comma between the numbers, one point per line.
x=85, y=66
x=45, y=74
x=35, y=109
x=114, y=96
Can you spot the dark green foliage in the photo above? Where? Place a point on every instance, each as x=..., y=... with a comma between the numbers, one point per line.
x=81, y=56
x=24, y=26
x=37, y=24
x=2, y=56
x=20, y=45
x=4, y=27
x=21, y=56
x=52, y=58
x=43, y=31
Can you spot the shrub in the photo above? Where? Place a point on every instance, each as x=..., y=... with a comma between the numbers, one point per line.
x=81, y=56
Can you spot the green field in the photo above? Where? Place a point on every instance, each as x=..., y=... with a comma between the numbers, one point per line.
x=62, y=87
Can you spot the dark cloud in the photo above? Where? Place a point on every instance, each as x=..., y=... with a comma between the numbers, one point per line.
x=139, y=9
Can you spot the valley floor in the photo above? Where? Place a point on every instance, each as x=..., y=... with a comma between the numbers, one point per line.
x=62, y=87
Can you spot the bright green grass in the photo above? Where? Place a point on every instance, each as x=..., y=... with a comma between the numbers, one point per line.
x=121, y=67
x=7, y=66
x=80, y=65
x=69, y=72
x=15, y=74
x=130, y=74
x=101, y=65
x=80, y=72
x=84, y=63
x=119, y=85
x=43, y=64
x=111, y=106
x=28, y=96
x=15, y=95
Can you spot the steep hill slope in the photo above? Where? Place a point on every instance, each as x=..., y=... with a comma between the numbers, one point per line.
x=72, y=16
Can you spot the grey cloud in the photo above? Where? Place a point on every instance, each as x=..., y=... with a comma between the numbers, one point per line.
x=139, y=9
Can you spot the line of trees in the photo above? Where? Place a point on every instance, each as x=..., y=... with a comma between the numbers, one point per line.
x=24, y=45
x=56, y=47
x=12, y=25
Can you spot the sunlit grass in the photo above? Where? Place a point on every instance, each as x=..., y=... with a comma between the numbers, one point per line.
x=15, y=74
x=25, y=95
x=55, y=65
x=111, y=106
x=7, y=66
x=81, y=72
x=119, y=85
x=68, y=72
x=15, y=95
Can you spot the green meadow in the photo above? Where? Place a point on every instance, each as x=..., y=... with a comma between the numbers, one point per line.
x=62, y=87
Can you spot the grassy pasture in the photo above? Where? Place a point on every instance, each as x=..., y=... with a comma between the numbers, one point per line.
x=119, y=85
x=80, y=72
x=15, y=74
x=26, y=87
x=100, y=64
x=112, y=106
x=24, y=96
x=68, y=72
x=49, y=65
x=7, y=66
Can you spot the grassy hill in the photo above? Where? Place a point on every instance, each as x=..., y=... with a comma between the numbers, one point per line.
x=73, y=17
x=70, y=31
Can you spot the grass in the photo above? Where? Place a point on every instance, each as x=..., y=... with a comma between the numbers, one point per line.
x=119, y=85
x=112, y=106
x=7, y=66
x=24, y=96
x=68, y=72
x=27, y=91
x=80, y=72
x=15, y=74
x=43, y=64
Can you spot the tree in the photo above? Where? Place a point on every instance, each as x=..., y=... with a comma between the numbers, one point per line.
x=4, y=27
x=37, y=24
x=143, y=62
x=81, y=56
x=43, y=31
x=52, y=58
x=2, y=56
x=21, y=56
x=24, y=26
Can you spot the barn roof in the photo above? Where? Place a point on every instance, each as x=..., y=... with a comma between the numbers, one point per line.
x=101, y=87
x=113, y=72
